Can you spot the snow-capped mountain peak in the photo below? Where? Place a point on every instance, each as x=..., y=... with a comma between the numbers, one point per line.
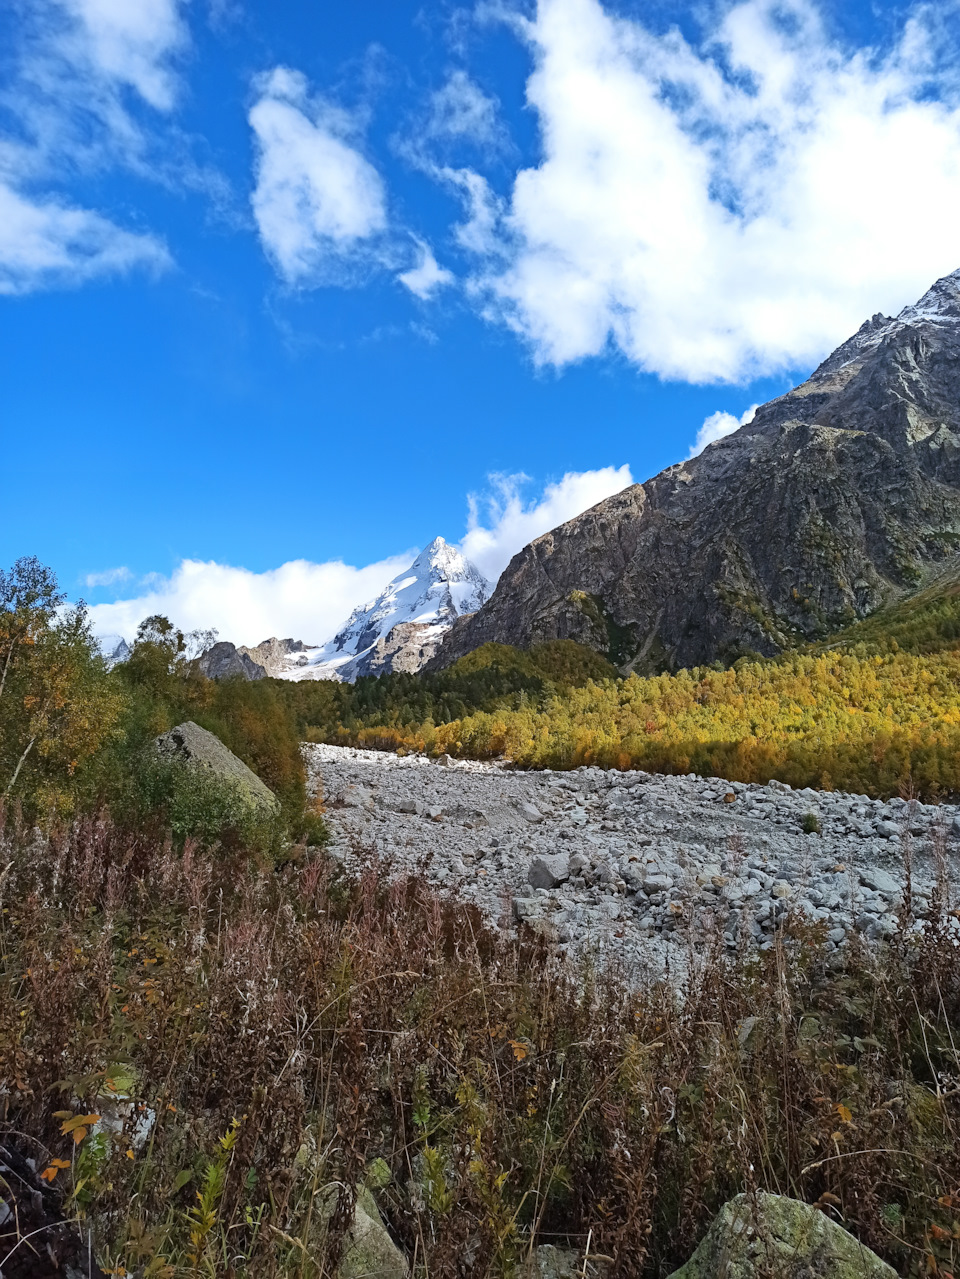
x=439, y=586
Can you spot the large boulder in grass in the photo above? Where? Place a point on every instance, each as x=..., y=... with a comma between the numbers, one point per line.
x=761, y=1236
x=369, y=1252
x=199, y=749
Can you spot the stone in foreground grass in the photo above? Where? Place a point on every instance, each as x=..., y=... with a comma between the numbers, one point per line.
x=766, y=1236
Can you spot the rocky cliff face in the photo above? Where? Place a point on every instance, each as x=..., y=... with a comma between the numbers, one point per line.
x=277, y=656
x=226, y=661
x=838, y=496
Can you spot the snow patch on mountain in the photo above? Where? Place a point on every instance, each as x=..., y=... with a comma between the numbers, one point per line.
x=113, y=649
x=439, y=586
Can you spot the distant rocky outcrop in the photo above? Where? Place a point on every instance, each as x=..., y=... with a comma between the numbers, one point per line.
x=197, y=748
x=765, y=1236
x=226, y=661
x=838, y=497
x=278, y=656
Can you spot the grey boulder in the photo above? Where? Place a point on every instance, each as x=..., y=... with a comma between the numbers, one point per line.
x=548, y=870
x=763, y=1236
x=195, y=747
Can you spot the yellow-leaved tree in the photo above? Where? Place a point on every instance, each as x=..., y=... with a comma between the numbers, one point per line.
x=58, y=704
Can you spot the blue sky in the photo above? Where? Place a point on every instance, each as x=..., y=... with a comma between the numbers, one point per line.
x=286, y=290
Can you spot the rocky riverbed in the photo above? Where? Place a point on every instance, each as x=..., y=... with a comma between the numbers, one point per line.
x=638, y=865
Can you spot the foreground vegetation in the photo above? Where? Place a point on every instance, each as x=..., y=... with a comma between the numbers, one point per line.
x=75, y=737
x=209, y=1042
x=274, y=1032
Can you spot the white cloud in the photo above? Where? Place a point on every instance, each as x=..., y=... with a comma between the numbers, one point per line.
x=45, y=244
x=69, y=65
x=317, y=198
x=717, y=425
x=133, y=42
x=309, y=601
x=461, y=110
x=479, y=233
x=511, y=524
x=108, y=577
x=427, y=276
x=730, y=207
x=299, y=599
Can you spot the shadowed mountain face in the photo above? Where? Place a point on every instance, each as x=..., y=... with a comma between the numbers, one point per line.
x=836, y=498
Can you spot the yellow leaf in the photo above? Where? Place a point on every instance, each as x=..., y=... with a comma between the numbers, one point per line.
x=48, y=1174
x=129, y=1152
x=846, y=1116
x=78, y=1135
x=78, y=1121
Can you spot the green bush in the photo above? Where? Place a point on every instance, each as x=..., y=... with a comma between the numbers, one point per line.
x=193, y=804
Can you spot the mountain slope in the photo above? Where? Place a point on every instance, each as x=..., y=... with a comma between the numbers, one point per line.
x=837, y=498
x=400, y=630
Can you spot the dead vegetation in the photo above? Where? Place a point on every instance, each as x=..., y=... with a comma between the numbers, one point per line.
x=256, y=1040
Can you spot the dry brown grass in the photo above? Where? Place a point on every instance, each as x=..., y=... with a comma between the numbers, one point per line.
x=515, y=1100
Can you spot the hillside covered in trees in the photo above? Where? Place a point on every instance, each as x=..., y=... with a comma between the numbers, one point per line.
x=875, y=709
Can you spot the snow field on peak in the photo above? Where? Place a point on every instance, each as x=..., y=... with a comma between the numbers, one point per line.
x=439, y=586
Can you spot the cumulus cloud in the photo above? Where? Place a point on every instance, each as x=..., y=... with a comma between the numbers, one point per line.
x=300, y=600
x=427, y=276
x=310, y=601
x=317, y=199
x=717, y=425
x=510, y=523
x=132, y=42
x=66, y=98
x=45, y=244
x=731, y=206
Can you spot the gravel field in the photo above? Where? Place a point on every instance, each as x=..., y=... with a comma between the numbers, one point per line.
x=638, y=865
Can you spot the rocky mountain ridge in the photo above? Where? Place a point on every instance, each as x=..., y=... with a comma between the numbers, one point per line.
x=836, y=498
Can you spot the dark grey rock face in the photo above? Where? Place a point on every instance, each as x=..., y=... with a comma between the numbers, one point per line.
x=226, y=661
x=195, y=747
x=836, y=498
x=274, y=655
x=408, y=646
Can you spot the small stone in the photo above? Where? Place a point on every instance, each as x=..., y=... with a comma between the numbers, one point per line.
x=782, y=889
x=531, y=812
x=548, y=870
x=880, y=881
x=525, y=907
